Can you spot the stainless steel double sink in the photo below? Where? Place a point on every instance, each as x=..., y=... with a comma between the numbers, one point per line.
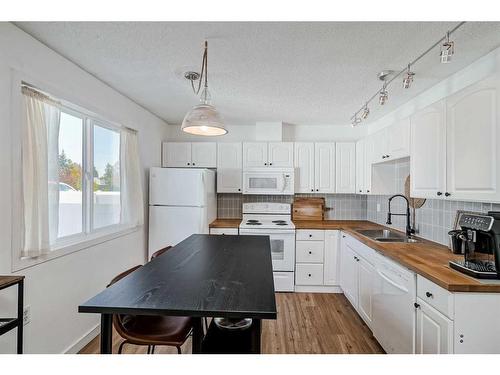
x=386, y=235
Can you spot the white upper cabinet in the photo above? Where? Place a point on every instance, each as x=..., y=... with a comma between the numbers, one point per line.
x=324, y=167
x=428, y=152
x=187, y=154
x=204, y=154
x=369, y=143
x=229, y=167
x=360, y=167
x=304, y=167
x=380, y=146
x=399, y=140
x=176, y=154
x=280, y=154
x=345, y=170
x=272, y=154
x=254, y=154
x=473, y=142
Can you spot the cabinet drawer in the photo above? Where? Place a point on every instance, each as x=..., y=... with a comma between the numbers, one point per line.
x=283, y=282
x=309, y=274
x=435, y=296
x=233, y=231
x=310, y=235
x=309, y=251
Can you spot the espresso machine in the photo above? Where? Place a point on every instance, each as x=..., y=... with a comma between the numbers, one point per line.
x=478, y=239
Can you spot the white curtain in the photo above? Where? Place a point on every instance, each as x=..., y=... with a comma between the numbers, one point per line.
x=132, y=201
x=40, y=131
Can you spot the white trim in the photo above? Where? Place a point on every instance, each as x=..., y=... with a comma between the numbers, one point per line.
x=317, y=289
x=22, y=263
x=83, y=341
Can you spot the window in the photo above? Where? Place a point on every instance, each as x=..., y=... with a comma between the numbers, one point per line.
x=87, y=198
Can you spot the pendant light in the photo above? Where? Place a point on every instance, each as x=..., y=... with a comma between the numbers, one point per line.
x=203, y=119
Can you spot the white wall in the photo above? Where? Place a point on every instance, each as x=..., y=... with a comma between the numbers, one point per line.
x=54, y=289
x=303, y=133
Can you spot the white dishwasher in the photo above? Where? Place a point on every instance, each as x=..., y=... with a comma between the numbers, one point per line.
x=393, y=307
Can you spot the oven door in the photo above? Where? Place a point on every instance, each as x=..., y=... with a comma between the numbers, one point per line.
x=282, y=247
x=269, y=182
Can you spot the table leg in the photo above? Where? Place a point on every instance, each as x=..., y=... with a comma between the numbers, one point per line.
x=256, y=333
x=106, y=333
x=20, y=314
x=197, y=335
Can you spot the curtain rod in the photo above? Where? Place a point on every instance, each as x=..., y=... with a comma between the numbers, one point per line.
x=37, y=91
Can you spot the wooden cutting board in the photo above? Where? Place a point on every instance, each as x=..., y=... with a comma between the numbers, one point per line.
x=308, y=209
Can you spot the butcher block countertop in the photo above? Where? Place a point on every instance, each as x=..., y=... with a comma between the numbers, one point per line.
x=426, y=258
x=225, y=223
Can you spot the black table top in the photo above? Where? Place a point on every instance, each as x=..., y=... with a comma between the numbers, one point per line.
x=204, y=275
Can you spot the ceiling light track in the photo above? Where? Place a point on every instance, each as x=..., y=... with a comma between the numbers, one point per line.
x=447, y=50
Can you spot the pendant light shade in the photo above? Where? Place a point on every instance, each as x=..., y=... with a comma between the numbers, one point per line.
x=203, y=119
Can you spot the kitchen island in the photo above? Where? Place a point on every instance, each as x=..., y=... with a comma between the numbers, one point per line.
x=203, y=276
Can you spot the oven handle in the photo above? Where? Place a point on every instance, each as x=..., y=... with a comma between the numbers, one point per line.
x=394, y=284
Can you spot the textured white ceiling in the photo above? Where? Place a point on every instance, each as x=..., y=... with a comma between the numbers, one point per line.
x=296, y=72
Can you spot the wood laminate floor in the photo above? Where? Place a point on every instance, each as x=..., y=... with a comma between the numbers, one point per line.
x=308, y=323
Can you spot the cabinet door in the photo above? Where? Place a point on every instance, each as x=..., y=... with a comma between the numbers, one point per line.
x=349, y=273
x=254, y=154
x=473, y=142
x=428, y=152
x=380, y=146
x=399, y=139
x=204, y=154
x=366, y=274
x=369, y=144
x=176, y=154
x=360, y=167
x=324, y=167
x=434, y=331
x=304, y=167
x=229, y=165
x=331, y=257
x=345, y=167
x=280, y=154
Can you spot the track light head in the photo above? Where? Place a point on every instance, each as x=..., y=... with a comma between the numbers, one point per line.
x=383, y=95
x=355, y=121
x=447, y=50
x=408, y=79
x=366, y=112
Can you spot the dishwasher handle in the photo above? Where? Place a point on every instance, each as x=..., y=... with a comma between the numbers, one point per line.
x=392, y=282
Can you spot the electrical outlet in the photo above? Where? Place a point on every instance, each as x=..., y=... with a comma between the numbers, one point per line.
x=26, y=315
x=378, y=207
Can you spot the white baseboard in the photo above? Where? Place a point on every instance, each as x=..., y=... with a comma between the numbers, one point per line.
x=80, y=344
x=317, y=289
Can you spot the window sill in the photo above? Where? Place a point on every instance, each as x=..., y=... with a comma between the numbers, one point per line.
x=69, y=248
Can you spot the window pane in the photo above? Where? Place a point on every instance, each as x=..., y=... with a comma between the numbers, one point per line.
x=106, y=177
x=70, y=175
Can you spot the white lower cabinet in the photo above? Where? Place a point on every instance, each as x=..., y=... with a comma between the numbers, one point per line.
x=317, y=262
x=349, y=272
x=366, y=275
x=434, y=331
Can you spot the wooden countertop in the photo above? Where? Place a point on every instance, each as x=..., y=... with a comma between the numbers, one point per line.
x=426, y=258
x=6, y=281
x=225, y=223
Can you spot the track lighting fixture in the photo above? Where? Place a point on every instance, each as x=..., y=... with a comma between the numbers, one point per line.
x=447, y=49
x=366, y=112
x=383, y=95
x=408, y=79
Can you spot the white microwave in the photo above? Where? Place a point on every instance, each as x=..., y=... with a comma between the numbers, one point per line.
x=269, y=181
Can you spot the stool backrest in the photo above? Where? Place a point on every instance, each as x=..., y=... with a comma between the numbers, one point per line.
x=160, y=252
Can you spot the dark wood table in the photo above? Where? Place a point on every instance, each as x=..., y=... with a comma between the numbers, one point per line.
x=203, y=276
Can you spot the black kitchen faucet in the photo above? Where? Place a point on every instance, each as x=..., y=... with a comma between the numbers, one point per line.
x=409, y=229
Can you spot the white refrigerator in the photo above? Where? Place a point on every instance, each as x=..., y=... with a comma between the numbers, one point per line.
x=182, y=202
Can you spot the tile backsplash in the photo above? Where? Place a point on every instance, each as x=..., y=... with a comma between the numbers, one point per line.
x=340, y=206
x=432, y=221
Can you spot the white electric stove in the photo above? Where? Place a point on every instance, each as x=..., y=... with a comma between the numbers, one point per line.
x=274, y=220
